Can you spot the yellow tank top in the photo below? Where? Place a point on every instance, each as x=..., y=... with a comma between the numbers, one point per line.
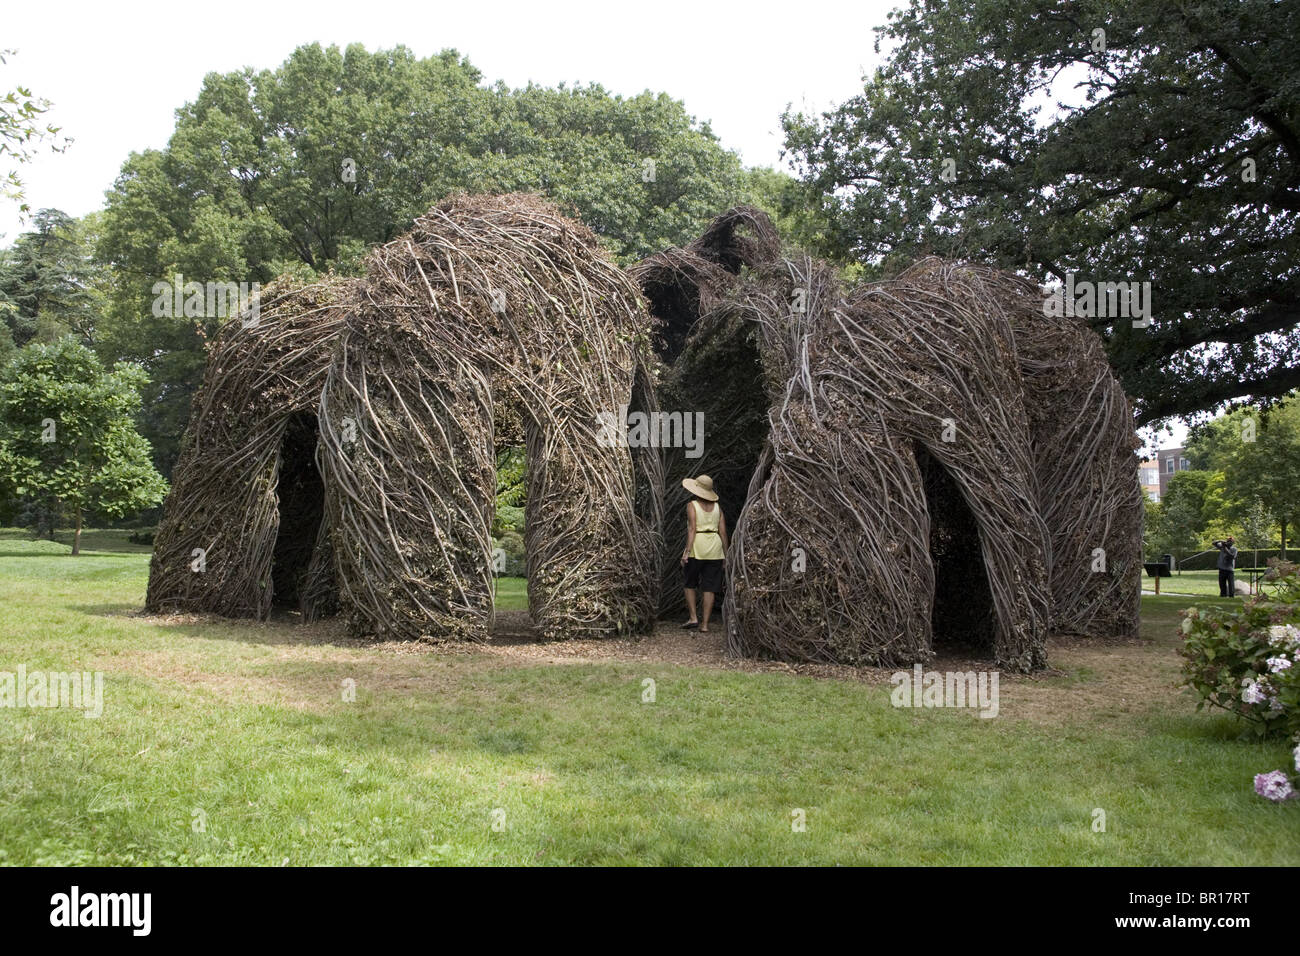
x=708, y=543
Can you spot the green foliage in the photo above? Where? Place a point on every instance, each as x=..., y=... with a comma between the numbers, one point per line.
x=1257, y=525
x=1177, y=523
x=67, y=435
x=508, y=521
x=785, y=200
x=1175, y=159
x=1245, y=660
x=1198, y=494
x=253, y=183
x=21, y=129
x=512, y=489
x=49, y=284
x=512, y=543
x=1258, y=453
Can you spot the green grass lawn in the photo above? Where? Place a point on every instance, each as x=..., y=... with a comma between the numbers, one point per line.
x=512, y=594
x=465, y=756
x=1199, y=583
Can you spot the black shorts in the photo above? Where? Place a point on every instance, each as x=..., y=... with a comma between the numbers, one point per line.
x=704, y=575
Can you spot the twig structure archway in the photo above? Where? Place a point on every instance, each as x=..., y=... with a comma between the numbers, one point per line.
x=937, y=460
x=709, y=345
x=216, y=546
x=922, y=460
x=487, y=302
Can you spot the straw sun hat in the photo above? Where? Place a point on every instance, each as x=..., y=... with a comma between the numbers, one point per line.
x=701, y=487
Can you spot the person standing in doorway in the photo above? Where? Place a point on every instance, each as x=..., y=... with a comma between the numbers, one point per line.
x=706, y=549
x=1227, y=565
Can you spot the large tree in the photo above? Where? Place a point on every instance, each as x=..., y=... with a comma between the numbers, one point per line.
x=1259, y=456
x=1151, y=140
x=49, y=283
x=306, y=166
x=68, y=438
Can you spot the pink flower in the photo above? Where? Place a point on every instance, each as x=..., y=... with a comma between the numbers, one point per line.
x=1273, y=785
x=1252, y=693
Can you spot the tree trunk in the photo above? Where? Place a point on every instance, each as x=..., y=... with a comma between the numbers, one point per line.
x=1283, y=523
x=76, y=536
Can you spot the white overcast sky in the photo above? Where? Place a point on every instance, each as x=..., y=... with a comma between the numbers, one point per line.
x=116, y=71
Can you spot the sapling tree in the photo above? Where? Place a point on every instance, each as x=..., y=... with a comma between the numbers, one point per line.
x=68, y=436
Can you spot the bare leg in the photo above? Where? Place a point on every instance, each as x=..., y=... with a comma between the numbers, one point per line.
x=690, y=605
x=708, y=610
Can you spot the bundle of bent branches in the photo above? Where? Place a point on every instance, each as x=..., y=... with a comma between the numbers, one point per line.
x=910, y=405
x=1082, y=429
x=491, y=301
x=832, y=559
x=215, y=545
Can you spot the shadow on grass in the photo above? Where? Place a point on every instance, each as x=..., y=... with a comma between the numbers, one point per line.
x=286, y=628
x=118, y=609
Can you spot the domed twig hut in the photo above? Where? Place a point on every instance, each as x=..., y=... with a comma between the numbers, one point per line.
x=923, y=462
x=926, y=460
x=488, y=304
x=241, y=527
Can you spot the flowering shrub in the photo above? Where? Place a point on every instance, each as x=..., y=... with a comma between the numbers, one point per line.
x=1246, y=659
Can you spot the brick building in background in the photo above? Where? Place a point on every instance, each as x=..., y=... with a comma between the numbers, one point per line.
x=1170, y=461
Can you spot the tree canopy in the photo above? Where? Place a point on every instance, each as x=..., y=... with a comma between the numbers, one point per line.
x=1259, y=458
x=304, y=167
x=50, y=285
x=1152, y=140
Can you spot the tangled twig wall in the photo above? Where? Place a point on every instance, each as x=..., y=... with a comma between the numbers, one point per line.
x=927, y=459
x=216, y=546
x=908, y=494
x=490, y=300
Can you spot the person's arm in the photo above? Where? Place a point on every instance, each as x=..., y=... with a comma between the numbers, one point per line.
x=1232, y=552
x=722, y=530
x=690, y=532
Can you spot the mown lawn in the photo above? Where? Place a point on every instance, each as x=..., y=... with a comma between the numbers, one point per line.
x=1199, y=583
x=228, y=742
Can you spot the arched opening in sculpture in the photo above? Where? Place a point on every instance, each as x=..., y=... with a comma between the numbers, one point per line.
x=709, y=346
x=963, y=619
x=242, y=528
x=300, y=500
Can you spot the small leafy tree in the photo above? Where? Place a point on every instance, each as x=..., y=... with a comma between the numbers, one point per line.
x=1176, y=529
x=1257, y=524
x=68, y=438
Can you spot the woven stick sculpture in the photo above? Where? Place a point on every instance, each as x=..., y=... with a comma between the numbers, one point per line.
x=216, y=548
x=490, y=301
x=1081, y=426
x=902, y=397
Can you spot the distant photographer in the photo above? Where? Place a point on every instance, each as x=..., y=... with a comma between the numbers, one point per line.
x=1227, y=562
